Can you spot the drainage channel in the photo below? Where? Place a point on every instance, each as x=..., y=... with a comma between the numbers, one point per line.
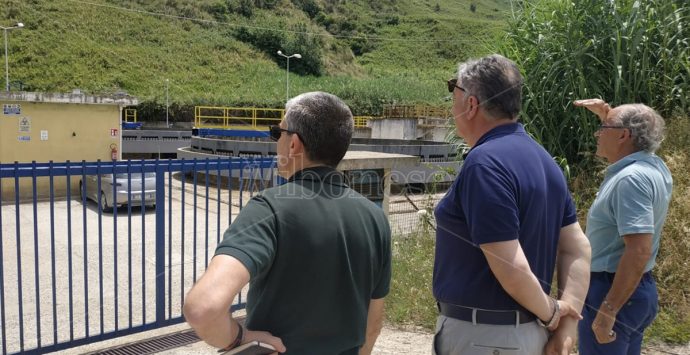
x=153, y=345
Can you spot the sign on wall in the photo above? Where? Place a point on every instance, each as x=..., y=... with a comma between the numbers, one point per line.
x=24, y=138
x=11, y=109
x=44, y=135
x=113, y=132
x=24, y=124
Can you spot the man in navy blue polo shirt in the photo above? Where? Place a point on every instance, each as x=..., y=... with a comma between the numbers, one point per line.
x=500, y=227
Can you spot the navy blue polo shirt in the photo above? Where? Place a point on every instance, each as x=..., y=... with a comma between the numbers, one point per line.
x=509, y=188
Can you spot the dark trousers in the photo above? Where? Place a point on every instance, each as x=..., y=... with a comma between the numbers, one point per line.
x=631, y=321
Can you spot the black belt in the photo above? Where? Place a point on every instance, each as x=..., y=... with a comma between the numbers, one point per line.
x=482, y=316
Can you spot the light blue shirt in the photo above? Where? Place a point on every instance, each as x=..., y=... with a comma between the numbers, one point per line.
x=633, y=199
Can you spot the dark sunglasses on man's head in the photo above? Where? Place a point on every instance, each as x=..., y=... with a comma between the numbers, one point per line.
x=452, y=84
x=276, y=132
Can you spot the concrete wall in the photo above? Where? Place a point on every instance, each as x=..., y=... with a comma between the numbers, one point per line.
x=394, y=128
x=154, y=141
x=58, y=127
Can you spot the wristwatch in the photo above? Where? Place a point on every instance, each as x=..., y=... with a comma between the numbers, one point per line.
x=555, y=316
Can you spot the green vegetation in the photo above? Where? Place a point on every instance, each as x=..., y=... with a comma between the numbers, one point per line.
x=223, y=52
x=623, y=51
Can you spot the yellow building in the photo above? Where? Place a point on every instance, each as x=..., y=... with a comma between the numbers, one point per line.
x=45, y=127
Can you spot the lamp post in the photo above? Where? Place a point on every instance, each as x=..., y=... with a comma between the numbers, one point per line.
x=287, y=72
x=7, y=70
x=167, y=82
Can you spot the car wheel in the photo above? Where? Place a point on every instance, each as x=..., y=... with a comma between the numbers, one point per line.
x=104, y=203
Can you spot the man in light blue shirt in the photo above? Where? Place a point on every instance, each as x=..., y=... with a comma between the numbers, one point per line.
x=624, y=229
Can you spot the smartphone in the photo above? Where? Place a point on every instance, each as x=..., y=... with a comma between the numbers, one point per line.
x=252, y=348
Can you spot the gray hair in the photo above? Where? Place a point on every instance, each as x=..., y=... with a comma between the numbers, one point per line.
x=496, y=82
x=324, y=123
x=646, y=126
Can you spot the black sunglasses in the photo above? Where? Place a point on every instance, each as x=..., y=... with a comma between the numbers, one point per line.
x=452, y=84
x=276, y=132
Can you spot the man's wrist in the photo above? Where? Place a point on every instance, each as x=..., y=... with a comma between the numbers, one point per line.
x=608, y=306
x=555, y=316
x=238, y=339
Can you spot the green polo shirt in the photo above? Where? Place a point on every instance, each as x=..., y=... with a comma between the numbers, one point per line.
x=317, y=253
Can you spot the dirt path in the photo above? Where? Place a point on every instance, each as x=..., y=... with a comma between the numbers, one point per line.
x=396, y=341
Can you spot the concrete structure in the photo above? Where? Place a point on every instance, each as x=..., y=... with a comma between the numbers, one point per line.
x=42, y=127
x=434, y=157
x=369, y=173
x=154, y=142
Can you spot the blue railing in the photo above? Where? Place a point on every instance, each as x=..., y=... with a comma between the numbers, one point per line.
x=71, y=274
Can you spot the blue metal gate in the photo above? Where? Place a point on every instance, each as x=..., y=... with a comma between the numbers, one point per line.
x=71, y=274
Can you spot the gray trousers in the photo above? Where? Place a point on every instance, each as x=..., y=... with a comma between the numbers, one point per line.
x=456, y=337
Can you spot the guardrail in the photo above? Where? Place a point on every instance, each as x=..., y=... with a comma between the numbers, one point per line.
x=258, y=119
x=240, y=118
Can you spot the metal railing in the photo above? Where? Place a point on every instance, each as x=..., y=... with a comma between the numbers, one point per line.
x=258, y=119
x=71, y=274
x=362, y=121
x=240, y=118
x=130, y=115
x=414, y=111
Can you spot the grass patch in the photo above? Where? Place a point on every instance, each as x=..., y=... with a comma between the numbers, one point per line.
x=672, y=271
x=410, y=301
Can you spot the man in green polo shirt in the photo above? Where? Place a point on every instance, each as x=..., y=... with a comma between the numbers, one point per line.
x=315, y=252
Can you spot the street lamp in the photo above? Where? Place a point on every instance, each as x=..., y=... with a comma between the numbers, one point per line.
x=7, y=70
x=287, y=72
x=167, y=82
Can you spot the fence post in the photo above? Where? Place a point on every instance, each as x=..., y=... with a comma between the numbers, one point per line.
x=160, y=242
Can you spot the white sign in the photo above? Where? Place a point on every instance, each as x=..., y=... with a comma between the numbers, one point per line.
x=12, y=109
x=24, y=138
x=24, y=124
x=44, y=135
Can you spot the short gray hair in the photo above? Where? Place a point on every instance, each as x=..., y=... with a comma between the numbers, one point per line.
x=646, y=126
x=324, y=123
x=496, y=82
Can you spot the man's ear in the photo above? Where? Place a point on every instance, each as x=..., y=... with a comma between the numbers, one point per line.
x=474, y=107
x=296, y=146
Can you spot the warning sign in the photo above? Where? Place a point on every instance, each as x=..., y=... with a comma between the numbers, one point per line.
x=24, y=124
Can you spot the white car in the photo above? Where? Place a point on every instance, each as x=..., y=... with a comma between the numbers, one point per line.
x=129, y=191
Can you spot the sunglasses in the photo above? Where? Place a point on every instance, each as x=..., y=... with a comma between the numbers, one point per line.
x=452, y=84
x=602, y=127
x=276, y=132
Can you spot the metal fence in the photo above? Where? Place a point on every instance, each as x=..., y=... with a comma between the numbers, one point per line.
x=71, y=274
x=404, y=212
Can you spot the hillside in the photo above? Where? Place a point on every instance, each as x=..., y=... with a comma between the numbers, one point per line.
x=224, y=51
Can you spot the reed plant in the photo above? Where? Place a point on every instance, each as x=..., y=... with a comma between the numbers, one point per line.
x=622, y=51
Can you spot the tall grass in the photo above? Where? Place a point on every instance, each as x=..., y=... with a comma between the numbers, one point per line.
x=672, y=270
x=623, y=51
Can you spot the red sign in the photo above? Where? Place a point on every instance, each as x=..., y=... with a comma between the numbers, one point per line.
x=113, y=132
